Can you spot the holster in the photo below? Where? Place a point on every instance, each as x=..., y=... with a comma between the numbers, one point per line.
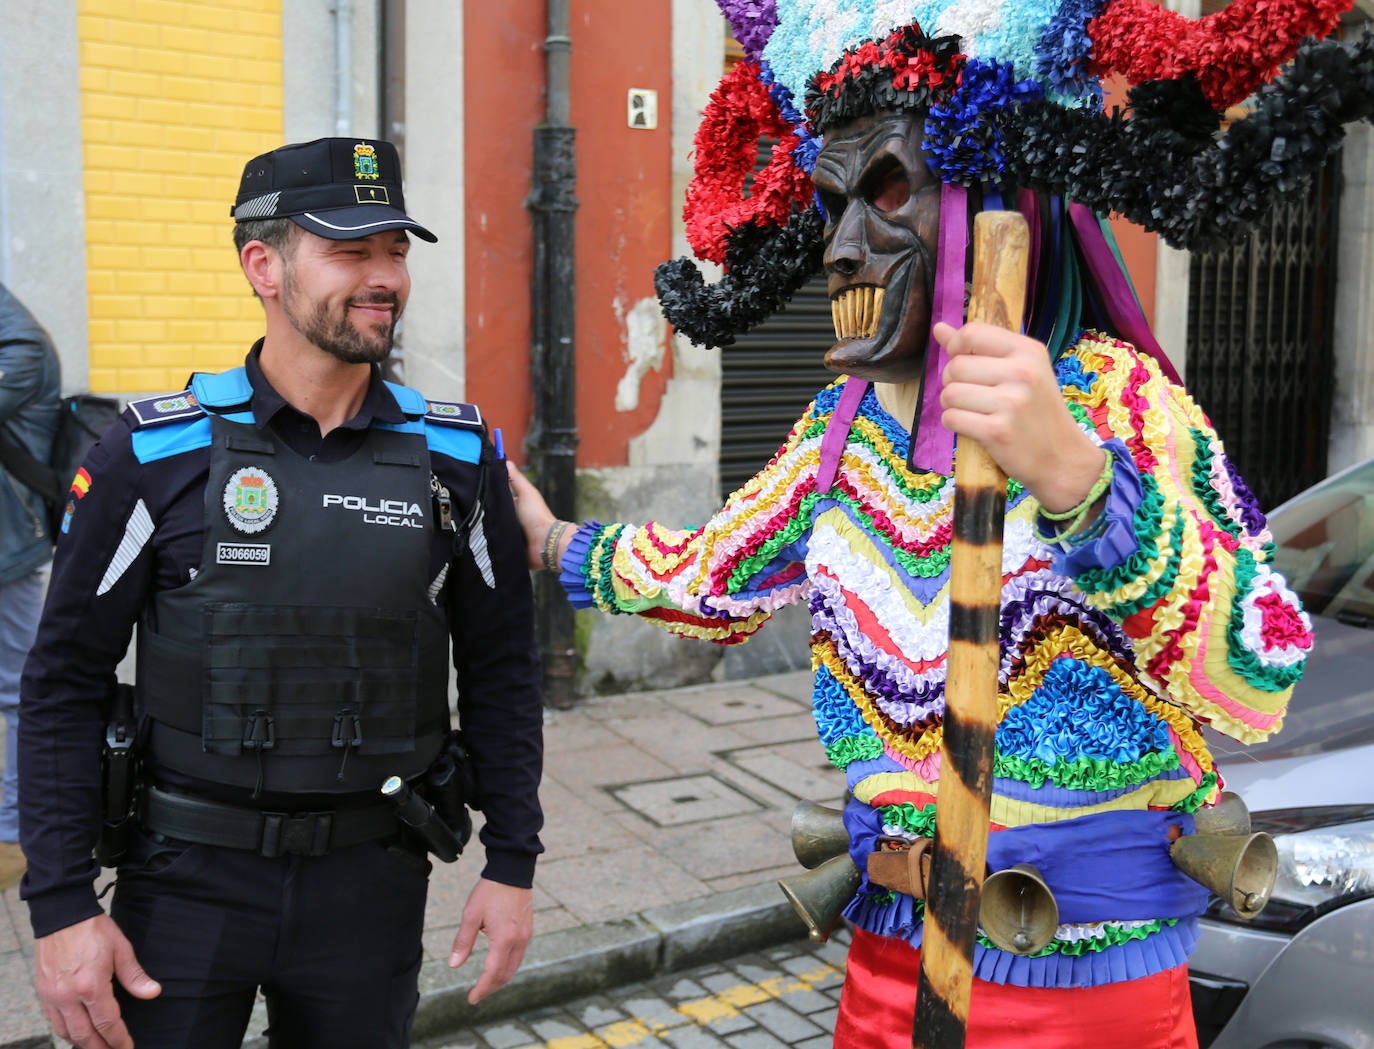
x=119, y=779
x=450, y=787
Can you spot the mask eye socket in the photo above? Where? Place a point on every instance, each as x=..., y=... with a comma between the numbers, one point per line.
x=833, y=203
x=889, y=188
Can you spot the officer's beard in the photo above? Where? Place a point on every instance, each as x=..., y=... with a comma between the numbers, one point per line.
x=335, y=334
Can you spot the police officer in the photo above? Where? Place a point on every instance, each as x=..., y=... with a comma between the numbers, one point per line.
x=301, y=546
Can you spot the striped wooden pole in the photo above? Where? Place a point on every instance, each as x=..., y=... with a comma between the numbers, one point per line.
x=1001, y=243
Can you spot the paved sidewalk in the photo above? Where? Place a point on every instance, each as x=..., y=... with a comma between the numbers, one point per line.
x=667, y=828
x=782, y=997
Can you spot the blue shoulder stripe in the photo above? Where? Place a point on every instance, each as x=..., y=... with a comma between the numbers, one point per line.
x=175, y=438
x=463, y=445
x=412, y=402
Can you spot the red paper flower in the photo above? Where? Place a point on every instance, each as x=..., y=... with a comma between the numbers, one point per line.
x=739, y=113
x=1231, y=52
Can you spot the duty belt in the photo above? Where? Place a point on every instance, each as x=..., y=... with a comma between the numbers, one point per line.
x=268, y=833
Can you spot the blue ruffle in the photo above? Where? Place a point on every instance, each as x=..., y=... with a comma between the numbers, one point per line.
x=836, y=715
x=1118, y=542
x=1078, y=712
x=570, y=568
x=1166, y=949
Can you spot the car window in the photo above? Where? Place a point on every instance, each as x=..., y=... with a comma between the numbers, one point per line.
x=1325, y=545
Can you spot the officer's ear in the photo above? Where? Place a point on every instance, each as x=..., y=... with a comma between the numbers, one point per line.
x=264, y=267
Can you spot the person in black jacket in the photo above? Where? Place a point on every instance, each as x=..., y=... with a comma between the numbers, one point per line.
x=30, y=393
x=303, y=548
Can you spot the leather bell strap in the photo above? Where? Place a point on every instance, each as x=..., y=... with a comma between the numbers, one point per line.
x=903, y=870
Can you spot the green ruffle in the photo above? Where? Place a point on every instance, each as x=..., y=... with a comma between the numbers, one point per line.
x=1198, y=797
x=1111, y=936
x=1243, y=660
x=603, y=588
x=1202, y=484
x=848, y=749
x=918, y=822
x=1086, y=773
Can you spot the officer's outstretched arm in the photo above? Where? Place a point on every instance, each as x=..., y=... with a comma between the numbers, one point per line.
x=73, y=969
x=506, y=914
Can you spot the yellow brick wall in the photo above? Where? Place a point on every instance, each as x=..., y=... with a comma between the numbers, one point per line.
x=176, y=95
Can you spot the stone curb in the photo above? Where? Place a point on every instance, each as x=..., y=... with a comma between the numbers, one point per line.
x=561, y=966
x=592, y=958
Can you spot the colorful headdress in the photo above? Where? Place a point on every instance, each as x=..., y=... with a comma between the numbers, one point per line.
x=1014, y=117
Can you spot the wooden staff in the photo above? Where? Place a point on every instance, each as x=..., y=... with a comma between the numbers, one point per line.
x=1000, y=248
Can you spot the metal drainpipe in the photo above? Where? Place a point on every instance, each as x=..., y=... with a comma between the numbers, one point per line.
x=553, y=432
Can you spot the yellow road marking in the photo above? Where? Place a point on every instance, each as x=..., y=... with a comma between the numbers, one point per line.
x=723, y=1005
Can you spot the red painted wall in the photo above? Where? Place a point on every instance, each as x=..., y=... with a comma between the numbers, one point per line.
x=503, y=88
x=624, y=222
x=1138, y=248
x=624, y=217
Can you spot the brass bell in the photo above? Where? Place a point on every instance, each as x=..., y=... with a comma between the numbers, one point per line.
x=1018, y=911
x=819, y=895
x=818, y=833
x=1228, y=816
x=1240, y=868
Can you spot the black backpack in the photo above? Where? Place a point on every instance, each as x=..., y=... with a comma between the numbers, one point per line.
x=85, y=417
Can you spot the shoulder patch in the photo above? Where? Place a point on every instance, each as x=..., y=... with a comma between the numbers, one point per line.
x=165, y=408
x=454, y=413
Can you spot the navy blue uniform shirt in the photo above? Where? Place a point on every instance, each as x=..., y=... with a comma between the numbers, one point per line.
x=95, y=599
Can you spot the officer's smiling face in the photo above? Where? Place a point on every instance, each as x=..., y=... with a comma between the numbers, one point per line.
x=345, y=296
x=882, y=205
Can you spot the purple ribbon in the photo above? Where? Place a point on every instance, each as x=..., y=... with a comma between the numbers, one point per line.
x=932, y=446
x=1117, y=298
x=837, y=431
x=1029, y=206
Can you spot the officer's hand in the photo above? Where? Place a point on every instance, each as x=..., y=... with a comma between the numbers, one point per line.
x=73, y=969
x=534, y=514
x=1001, y=390
x=506, y=914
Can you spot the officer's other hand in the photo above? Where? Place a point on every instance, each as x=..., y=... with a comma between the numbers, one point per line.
x=73, y=969
x=534, y=514
x=506, y=914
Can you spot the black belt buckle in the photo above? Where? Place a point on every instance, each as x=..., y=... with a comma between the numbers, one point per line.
x=296, y=834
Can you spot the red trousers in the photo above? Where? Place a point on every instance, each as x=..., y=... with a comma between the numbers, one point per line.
x=878, y=1007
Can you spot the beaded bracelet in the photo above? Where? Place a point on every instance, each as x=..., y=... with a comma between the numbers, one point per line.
x=554, y=536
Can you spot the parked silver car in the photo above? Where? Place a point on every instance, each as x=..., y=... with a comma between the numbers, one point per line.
x=1301, y=974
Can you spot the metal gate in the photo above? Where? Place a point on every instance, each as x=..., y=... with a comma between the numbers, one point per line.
x=769, y=375
x=767, y=378
x=1259, y=341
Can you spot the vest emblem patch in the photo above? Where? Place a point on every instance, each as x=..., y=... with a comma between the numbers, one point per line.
x=250, y=500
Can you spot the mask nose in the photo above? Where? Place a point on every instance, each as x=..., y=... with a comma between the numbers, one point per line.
x=848, y=247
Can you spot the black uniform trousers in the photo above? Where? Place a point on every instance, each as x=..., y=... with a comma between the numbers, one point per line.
x=333, y=941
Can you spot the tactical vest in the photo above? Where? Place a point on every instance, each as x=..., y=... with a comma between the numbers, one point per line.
x=309, y=653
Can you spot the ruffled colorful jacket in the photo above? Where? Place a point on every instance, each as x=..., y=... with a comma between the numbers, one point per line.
x=1112, y=654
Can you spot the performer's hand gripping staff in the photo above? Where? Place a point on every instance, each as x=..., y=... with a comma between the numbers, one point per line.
x=959, y=856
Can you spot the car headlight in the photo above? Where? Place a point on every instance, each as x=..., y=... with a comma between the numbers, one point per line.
x=1326, y=861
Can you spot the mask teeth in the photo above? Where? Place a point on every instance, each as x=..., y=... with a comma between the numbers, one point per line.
x=855, y=313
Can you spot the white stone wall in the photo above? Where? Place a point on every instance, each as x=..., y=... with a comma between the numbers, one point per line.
x=1352, y=409
x=431, y=334
x=42, y=197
